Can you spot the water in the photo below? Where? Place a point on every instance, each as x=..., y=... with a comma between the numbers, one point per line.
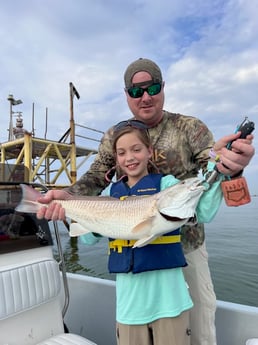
x=231, y=239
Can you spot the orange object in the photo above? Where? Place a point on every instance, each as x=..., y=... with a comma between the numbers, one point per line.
x=236, y=192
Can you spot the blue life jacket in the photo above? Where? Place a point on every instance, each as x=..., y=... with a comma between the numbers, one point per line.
x=152, y=256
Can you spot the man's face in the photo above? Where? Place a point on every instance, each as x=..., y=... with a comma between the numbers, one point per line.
x=146, y=108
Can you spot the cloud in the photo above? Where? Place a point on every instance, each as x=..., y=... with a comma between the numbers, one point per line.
x=207, y=51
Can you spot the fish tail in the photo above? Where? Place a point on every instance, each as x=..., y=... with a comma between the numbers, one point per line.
x=29, y=203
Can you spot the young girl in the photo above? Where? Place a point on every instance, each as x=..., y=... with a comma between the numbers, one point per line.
x=152, y=298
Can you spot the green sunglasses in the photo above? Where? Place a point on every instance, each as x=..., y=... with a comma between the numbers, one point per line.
x=137, y=92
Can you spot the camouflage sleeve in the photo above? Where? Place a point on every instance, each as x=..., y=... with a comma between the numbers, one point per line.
x=201, y=141
x=181, y=145
x=93, y=181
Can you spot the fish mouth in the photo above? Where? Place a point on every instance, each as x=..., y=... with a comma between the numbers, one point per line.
x=171, y=218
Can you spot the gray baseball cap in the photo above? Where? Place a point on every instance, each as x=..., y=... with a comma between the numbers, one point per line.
x=142, y=65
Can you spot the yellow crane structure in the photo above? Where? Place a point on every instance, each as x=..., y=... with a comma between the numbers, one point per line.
x=41, y=160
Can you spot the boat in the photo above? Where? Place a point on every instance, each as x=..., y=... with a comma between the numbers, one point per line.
x=40, y=302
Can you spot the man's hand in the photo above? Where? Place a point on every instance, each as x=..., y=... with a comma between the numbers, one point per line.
x=233, y=161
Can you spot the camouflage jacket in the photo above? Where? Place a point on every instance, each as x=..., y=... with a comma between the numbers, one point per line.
x=181, y=147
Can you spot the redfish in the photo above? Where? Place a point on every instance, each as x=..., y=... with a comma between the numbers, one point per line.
x=141, y=218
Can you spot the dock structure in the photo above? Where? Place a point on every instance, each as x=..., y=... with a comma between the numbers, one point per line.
x=40, y=160
x=46, y=161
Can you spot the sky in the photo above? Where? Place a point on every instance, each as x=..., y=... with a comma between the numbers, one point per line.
x=207, y=51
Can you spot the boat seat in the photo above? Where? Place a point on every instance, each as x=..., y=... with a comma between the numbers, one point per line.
x=67, y=339
x=31, y=296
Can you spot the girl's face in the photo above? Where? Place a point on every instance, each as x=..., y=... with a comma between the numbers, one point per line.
x=132, y=155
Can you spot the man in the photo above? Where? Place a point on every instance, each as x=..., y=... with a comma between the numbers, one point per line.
x=181, y=146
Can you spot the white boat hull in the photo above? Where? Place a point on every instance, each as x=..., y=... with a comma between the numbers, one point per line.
x=91, y=313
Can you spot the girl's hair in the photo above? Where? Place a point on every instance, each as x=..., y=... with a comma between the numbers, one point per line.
x=143, y=135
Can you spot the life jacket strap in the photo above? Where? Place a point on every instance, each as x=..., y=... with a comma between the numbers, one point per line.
x=117, y=245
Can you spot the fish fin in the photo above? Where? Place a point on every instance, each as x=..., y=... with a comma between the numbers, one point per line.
x=29, y=203
x=143, y=241
x=143, y=226
x=77, y=229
